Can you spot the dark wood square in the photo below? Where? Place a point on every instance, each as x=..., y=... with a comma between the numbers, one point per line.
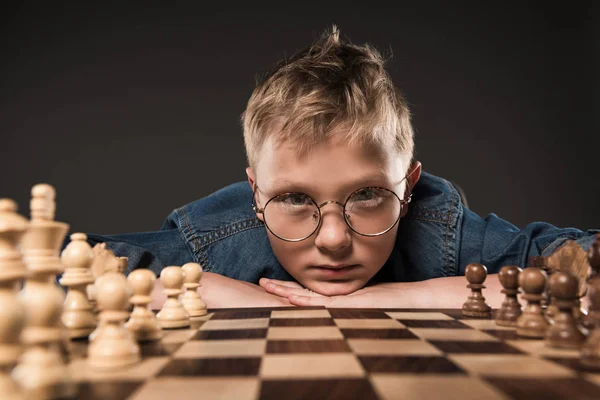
x=158, y=349
x=402, y=364
x=474, y=347
x=572, y=363
x=503, y=334
x=247, y=366
x=377, y=333
x=418, y=323
x=457, y=313
x=241, y=314
x=301, y=322
x=102, y=390
x=317, y=389
x=344, y=313
x=547, y=388
x=231, y=334
x=307, y=346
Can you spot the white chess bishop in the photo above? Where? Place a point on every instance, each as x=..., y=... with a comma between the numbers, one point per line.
x=142, y=322
x=113, y=346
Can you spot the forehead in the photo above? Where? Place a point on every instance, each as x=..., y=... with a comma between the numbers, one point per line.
x=331, y=166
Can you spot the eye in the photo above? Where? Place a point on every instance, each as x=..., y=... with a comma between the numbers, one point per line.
x=294, y=199
x=367, y=194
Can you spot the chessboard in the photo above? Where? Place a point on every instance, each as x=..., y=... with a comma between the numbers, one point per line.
x=326, y=353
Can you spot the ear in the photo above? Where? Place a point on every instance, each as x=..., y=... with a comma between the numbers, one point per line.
x=252, y=182
x=413, y=175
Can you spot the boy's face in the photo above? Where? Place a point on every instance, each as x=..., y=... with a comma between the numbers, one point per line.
x=332, y=170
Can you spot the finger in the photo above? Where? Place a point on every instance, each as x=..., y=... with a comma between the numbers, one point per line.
x=263, y=281
x=283, y=291
x=309, y=301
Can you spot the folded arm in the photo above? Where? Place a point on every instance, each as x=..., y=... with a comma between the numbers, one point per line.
x=450, y=292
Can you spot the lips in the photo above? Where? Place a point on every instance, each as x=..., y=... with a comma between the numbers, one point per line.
x=335, y=270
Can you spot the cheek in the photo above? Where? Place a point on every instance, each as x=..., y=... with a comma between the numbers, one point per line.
x=289, y=254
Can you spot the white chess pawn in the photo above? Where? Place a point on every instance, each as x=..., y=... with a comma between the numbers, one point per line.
x=142, y=322
x=78, y=313
x=41, y=371
x=173, y=314
x=191, y=300
x=113, y=346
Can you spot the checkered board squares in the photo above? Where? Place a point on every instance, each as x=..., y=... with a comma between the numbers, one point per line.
x=319, y=353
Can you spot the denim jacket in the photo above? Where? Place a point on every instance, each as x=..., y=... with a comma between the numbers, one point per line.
x=438, y=237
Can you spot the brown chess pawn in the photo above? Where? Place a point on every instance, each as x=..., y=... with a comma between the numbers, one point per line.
x=542, y=262
x=564, y=332
x=593, y=255
x=590, y=352
x=172, y=313
x=532, y=323
x=511, y=308
x=475, y=306
x=191, y=300
x=142, y=322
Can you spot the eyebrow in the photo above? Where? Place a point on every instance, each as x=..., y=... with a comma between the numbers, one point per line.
x=285, y=185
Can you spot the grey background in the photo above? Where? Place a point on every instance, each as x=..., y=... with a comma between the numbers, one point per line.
x=131, y=111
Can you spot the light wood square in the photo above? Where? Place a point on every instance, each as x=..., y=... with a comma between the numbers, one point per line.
x=395, y=347
x=368, y=323
x=509, y=365
x=81, y=371
x=300, y=314
x=433, y=316
x=419, y=387
x=195, y=388
x=486, y=324
x=178, y=335
x=310, y=366
x=539, y=348
x=222, y=348
x=303, y=332
x=468, y=335
x=227, y=324
x=595, y=378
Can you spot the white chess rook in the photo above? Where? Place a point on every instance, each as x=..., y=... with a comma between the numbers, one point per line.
x=113, y=346
x=142, y=322
x=191, y=300
x=78, y=313
x=173, y=314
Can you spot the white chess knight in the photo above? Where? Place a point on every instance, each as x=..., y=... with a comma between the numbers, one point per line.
x=191, y=300
x=142, y=322
x=113, y=346
x=78, y=313
x=173, y=314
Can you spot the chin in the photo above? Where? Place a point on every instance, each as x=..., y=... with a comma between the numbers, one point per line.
x=334, y=288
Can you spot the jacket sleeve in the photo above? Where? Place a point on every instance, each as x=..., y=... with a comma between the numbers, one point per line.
x=495, y=242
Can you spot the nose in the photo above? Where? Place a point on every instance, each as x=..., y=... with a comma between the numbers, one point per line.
x=333, y=234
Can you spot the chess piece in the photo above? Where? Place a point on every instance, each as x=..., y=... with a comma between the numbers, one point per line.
x=122, y=264
x=532, y=323
x=564, y=332
x=511, y=308
x=173, y=314
x=105, y=260
x=475, y=306
x=78, y=313
x=542, y=262
x=191, y=300
x=12, y=318
x=593, y=254
x=113, y=346
x=590, y=352
x=142, y=322
x=41, y=370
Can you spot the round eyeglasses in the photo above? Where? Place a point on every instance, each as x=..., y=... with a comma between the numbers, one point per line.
x=295, y=216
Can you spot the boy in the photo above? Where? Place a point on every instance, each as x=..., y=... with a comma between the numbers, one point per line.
x=336, y=211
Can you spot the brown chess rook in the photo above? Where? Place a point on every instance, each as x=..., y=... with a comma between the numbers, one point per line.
x=475, y=306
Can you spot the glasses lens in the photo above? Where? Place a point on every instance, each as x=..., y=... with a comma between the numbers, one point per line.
x=292, y=216
x=373, y=210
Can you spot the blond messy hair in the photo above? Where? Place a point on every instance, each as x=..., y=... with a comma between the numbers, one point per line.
x=329, y=86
